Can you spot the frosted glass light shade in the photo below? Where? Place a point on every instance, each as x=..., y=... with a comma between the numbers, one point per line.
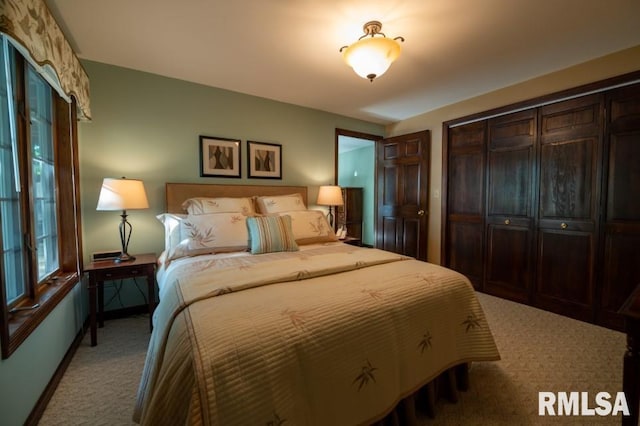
x=330, y=196
x=122, y=194
x=371, y=57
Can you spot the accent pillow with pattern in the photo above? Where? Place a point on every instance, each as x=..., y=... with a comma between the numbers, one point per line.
x=269, y=234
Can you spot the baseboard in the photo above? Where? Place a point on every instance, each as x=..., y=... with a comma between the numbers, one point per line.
x=47, y=394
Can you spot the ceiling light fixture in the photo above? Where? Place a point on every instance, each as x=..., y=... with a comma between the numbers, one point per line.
x=371, y=56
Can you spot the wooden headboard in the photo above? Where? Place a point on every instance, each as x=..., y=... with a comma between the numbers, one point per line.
x=176, y=193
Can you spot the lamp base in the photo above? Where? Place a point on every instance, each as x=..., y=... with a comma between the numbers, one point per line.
x=124, y=257
x=330, y=218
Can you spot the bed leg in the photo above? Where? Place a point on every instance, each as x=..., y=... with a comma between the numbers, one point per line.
x=395, y=421
x=452, y=387
x=409, y=411
x=462, y=376
x=431, y=399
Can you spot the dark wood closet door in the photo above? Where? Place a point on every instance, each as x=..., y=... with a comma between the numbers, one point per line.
x=402, y=192
x=509, y=221
x=621, y=254
x=570, y=157
x=463, y=239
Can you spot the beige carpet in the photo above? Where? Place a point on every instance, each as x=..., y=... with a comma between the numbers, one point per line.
x=540, y=351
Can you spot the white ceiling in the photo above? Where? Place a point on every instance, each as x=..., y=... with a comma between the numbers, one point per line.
x=287, y=50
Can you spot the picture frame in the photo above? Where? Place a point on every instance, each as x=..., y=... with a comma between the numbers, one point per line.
x=219, y=157
x=264, y=160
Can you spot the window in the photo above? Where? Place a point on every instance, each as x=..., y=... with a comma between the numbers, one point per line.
x=39, y=240
x=42, y=174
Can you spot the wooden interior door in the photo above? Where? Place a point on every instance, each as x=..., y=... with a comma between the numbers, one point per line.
x=570, y=158
x=510, y=221
x=402, y=164
x=463, y=239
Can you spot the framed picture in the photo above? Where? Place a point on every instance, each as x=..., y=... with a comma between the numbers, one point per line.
x=219, y=157
x=264, y=160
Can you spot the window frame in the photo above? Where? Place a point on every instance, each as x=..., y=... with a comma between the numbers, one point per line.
x=46, y=293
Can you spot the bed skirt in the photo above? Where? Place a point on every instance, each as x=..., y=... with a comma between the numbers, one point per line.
x=446, y=385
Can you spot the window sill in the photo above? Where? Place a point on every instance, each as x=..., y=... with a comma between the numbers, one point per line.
x=23, y=323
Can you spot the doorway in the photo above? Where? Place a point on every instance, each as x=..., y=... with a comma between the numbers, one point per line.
x=356, y=168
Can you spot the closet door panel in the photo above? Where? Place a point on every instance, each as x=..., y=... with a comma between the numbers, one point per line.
x=463, y=239
x=466, y=174
x=621, y=273
x=465, y=249
x=509, y=219
x=509, y=261
x=621, y=254
x=565, y=278
x=570, y=153
x=566, y=179
x=623, y=202
x=510, y=182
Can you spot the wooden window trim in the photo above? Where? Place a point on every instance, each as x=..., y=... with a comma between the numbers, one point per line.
x=17, y=327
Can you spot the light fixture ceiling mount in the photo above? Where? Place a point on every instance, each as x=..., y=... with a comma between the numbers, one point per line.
x=373, y=53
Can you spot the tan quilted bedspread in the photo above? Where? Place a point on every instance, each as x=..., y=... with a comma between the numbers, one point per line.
x=329, y=336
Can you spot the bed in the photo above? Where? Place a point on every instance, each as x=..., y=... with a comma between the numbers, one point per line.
x=296, y=327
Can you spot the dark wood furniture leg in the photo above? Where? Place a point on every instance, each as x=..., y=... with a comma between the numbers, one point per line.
x=100, y=304
x=92, y=310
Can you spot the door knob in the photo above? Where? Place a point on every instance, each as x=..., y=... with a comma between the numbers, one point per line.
x=507, y=222
x=420, y=212
x=563, y=225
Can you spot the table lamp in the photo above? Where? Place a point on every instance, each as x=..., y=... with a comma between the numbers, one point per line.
x=122, y=194
x=330, y=195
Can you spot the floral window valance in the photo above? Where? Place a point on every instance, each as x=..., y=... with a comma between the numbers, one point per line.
x=29, y=23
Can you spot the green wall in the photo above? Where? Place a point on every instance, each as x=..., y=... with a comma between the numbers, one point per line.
x=357, y=168
x=146, y=126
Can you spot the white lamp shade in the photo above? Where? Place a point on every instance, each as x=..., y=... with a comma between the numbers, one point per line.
x=372, y=56
x=330, y=196
x=122, y=194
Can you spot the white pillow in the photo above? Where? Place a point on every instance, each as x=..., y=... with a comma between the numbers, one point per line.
x=203, y=205
x=280, y=203
x=211, y=233
x=310, y=226
x=171, y=222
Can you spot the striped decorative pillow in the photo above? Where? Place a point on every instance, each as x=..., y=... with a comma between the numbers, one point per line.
x=268, y=234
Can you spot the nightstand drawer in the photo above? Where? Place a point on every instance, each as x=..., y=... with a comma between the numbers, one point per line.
x=122, y=273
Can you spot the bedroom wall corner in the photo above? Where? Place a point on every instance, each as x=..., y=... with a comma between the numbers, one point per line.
x=612, y=65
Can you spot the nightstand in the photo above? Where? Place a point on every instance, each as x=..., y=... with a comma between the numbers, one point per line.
x=100, y=271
